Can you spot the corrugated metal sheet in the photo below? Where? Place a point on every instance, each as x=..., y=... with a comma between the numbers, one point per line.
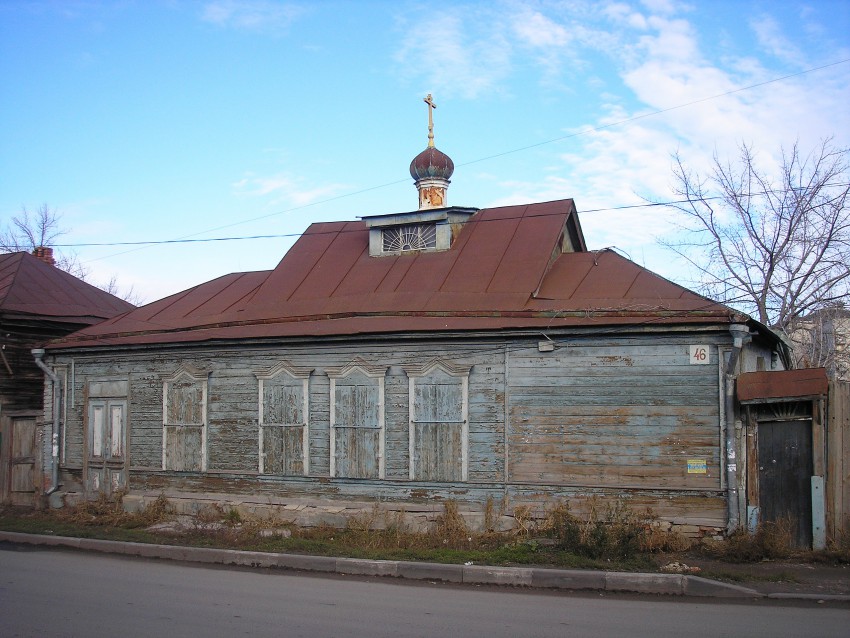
x=782, y=384
x=28, y=286
x=504, y=270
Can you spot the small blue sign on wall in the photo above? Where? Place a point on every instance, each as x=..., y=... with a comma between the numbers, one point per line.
x=697, y=466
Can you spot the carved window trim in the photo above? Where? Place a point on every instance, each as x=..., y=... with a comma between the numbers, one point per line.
x=372, y=371
x=297, y=374
x=416, y=373
x=193, y=375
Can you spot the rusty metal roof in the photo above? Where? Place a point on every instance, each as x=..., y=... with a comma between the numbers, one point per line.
x=30, y=287
x=782, y=384
x=506, y=269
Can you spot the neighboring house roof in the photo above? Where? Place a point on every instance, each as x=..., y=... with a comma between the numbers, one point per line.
x=31, y=288
x=755, y=387
x=505, y=270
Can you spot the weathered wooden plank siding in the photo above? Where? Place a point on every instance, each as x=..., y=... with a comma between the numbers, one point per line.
x=607, y=414
x=145, y=418
x=487, y=415
x=320, y=419
x=695, y=508
x=621, y=413
x=397, y=431
x=232, y=411
x=232, y=416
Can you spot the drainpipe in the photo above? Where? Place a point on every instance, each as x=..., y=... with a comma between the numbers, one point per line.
x=38, y=353
x=740, y=336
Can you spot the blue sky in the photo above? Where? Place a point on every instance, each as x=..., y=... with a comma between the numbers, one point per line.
x=160, y=120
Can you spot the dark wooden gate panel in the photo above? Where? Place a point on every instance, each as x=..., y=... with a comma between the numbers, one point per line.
x=785, y=474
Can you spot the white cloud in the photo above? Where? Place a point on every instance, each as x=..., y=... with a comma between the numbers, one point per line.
x=464, y=57
x=251, y=15
x=662, y=66
x=663, y=7
x=536, y=30
x=282, y=188
x=770, y=38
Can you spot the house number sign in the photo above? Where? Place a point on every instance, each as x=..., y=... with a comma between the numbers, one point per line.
x=699, y=355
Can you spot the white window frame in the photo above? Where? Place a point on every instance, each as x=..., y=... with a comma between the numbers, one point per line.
x=194, y=375
x=284, y=367
x=420, y=372
x=375, y=372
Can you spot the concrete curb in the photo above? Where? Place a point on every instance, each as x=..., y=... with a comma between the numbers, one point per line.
x=565, y=579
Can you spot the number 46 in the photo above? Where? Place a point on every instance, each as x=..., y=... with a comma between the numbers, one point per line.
x=699, y=355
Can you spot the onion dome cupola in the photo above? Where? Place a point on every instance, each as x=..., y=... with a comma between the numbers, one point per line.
x=432, y=168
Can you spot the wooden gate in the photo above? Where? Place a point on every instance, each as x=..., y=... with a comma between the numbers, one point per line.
x=785, y=476
x=17, y=459
x=838, y=461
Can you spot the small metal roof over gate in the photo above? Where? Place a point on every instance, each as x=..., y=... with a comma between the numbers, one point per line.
x=778, y=385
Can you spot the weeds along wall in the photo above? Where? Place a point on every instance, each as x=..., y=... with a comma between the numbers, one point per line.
x=406, y=422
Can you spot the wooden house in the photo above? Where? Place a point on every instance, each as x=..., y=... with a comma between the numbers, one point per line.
x=38, y=302
x=486, y=356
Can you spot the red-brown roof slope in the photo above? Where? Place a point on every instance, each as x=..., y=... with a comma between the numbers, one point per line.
x=506, y=269
x=31, y=287
x=782, y=384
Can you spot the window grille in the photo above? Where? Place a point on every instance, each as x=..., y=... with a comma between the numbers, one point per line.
x=410, y=237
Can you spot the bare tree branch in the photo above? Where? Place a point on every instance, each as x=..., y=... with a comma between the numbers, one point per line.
x=777, y=248
x=29, y=231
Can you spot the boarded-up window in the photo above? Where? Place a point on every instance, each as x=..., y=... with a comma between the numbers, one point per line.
x=284, y=420
x=357, y=421
x=438, y=423
x=184, y=422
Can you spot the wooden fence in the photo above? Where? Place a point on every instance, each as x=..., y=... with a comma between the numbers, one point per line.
x=838, y=462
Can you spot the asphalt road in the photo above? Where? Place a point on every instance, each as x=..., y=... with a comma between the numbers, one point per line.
x=64, y=593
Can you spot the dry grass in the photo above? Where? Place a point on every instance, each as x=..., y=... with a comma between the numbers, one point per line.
x=109, y=511
x=610, y=533
x=612, y=530
x=771, y=540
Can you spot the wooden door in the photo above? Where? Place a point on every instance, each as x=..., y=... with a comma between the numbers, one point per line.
x=785, y=476
x=105, y=467
x=22, y=460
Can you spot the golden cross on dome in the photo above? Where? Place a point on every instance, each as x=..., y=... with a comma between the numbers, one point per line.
x=431, y=106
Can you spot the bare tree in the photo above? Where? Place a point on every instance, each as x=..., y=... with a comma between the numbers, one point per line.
x=777, y=248
x=30, y=231
x=41, y=229
x=129, y=295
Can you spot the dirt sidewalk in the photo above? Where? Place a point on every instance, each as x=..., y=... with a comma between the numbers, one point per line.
x=775, y=576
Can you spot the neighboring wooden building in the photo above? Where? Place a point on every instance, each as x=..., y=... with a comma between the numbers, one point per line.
x=38, y=302
x=444, y=353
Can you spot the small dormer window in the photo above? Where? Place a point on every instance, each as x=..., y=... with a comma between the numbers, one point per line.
x=409, y=237
x=417, y=231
